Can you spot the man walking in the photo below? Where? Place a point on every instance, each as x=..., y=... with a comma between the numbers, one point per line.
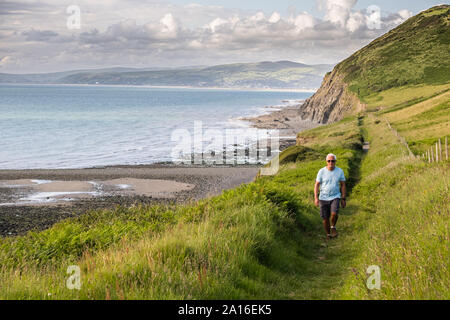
x=331, y=180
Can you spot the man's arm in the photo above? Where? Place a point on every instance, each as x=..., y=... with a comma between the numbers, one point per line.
x=343, y=194
x=316, y=193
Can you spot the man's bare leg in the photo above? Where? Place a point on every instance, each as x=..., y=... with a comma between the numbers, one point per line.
x=334, y=219
x=326, y=226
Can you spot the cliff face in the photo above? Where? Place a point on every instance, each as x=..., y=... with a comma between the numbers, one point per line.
x=331, y=102
x=410, y=54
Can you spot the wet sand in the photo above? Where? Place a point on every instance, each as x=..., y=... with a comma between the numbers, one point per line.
x=71, y=192
x=50, y=192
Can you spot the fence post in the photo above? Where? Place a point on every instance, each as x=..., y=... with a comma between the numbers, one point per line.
x=431, y=152
x=446, y=149
x=440, y=149
x=437, y=158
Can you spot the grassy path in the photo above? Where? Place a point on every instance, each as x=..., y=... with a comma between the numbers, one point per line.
x=332, y=259
x=380, y=227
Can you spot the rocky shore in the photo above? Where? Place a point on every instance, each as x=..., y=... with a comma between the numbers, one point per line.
x=287, y=120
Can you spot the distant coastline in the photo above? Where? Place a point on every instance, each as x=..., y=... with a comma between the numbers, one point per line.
x=265, y=75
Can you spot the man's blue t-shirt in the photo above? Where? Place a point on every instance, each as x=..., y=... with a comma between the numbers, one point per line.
x=330, y=183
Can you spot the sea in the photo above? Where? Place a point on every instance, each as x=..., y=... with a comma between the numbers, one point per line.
x=77, y=126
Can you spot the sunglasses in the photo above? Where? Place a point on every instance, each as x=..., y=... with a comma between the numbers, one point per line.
x=331, y=161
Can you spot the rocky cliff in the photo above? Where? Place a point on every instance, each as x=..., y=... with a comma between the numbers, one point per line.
x=410, y=54
x=331, y=102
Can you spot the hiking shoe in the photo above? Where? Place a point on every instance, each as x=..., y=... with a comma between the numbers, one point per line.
x=334, y=233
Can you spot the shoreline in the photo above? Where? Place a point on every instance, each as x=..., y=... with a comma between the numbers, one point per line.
x=154, y=165
x=35, y=199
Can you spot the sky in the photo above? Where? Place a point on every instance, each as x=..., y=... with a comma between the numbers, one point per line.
x=59, y=35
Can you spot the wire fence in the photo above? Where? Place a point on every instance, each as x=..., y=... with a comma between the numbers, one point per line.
x=437, y=152
x=401, y=139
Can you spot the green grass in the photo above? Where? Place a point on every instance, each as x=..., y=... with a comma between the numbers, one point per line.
x=403, y=226
x=413, y=53
x=264, y=240
x=401, y=97
x=424, y=123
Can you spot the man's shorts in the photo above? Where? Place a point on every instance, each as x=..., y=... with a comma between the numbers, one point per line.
x=326, y=207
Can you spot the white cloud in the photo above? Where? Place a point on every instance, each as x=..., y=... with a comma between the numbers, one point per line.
x=337, y=11
x=303, y=21
x=355, y=21
x=169, y=25
x=216, y=23
x=275, y=17
x=259, y=16
x=4, y=60
x=405, y=14
x=159, y=33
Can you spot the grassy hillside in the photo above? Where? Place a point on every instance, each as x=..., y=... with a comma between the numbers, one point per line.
x=264, y=240
x=416, y=52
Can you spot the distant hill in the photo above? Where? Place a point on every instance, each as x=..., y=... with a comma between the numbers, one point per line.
x=53, y=77
x=414, y=53
x=280, y=74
